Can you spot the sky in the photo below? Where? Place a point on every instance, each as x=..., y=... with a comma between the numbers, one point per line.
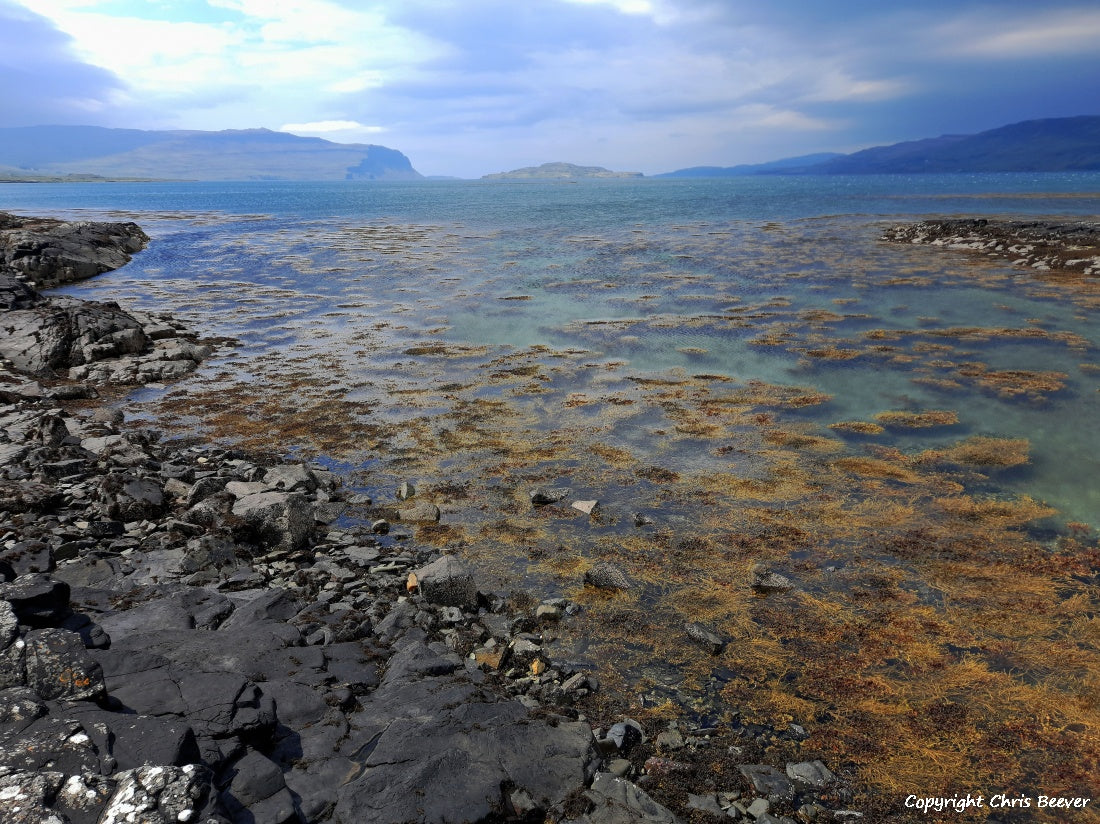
x=469, y=87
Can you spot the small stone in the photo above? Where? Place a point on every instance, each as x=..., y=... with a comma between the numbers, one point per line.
x=587, y=507
x=764, y=580
x=707, y=638
x=411, y=583
x=548, y=612
x=620, y=767
x=405, y=491
x=759, y=807
x=380, y=527
x=670, y=740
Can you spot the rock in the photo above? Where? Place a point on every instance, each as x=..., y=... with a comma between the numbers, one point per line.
x=258, y=791
x=448, y=581
x=53, y=252
x=290, y=478
x=278, y=519
x=617, y=801
x=25, y=796
x=129, y=498
x=706, y=803
x=812, y=774
x=58, y=667
x=707, y=638
x=547, y=495
x=626, y=735
x=37, y=599
x=161, y=795
x=405, y=491
x=768, y=781
x=605, y=575
x=66, y=332
x=587, y=507
x=764, y=580
x=421, y=512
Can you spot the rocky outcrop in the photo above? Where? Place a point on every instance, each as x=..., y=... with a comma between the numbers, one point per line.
x=1043, y=245
x=48, y=253
x=77, y=339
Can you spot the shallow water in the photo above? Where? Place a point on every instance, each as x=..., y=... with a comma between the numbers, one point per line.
x=726, y=359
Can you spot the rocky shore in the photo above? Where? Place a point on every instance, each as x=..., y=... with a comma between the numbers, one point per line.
x=194, y=634
x=1042, y=245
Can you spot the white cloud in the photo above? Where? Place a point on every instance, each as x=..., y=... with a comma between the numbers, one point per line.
x=1047, y=34
x=330, y=127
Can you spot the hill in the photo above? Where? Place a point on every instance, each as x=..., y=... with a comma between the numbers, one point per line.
x=1063, y=144
x=561, y=171
x=244, y=154
x=785, y=166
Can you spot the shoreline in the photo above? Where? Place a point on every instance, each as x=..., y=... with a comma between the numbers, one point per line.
x=132, y=565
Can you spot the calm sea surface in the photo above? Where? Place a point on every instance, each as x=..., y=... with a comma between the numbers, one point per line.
x=741, y=372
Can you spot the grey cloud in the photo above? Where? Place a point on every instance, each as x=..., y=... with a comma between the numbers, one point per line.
x=41, y=81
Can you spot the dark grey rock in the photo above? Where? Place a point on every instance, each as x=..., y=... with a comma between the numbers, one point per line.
x=448, y=581
x=812, y=774
x=258, y=791
x=604, y=575
x=59, y=667
x=162, y=795
x=626, y=735
x=618, y=801
x=705, y=637
x=279, y=519
x=37, y=599
x=768, y=781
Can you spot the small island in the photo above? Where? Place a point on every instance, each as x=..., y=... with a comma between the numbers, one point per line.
x=562, y=171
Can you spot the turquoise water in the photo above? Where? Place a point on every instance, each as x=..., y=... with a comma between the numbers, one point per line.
x=645, y=277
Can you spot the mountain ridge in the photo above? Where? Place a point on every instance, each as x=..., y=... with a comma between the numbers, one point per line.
x=188, y=154
x=1048, y=145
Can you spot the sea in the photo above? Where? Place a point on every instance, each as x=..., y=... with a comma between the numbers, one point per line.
x=743, y=375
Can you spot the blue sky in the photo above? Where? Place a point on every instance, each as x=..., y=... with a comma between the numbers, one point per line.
x=468, y=87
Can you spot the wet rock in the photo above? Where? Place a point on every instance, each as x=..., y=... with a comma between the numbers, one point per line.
x=706, y=803
x=705, y=637
x=587, y=507
x=544, y=496
x=129, y=498
x=617, y=801
x=52, y=252
x=765, y=580
x=605, y=575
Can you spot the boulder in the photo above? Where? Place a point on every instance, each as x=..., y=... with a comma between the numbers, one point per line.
x=448, y=581
x=279, y=519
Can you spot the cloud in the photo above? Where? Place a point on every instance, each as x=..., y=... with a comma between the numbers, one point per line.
x=42, y=80
x=1065, y=33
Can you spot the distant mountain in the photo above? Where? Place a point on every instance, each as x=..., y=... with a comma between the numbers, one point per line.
x=1063, y=144
x=561, y=171
x=785, y=166
x=246, y=154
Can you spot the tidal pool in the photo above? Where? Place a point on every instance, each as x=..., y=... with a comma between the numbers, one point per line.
x=905, y=433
